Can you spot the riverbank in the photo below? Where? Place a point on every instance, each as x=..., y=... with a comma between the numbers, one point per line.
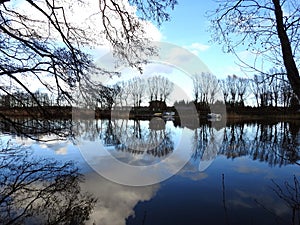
x=232, y=114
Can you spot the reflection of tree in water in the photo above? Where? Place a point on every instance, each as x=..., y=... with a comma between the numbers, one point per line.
x=207, y=142
x=108, y=133
x=200, y=140
x=235, y=141
x=277, y=144
x=36, y=129
x=289, y=194
x=131, y=136
x=87, y=129
x=40, y=191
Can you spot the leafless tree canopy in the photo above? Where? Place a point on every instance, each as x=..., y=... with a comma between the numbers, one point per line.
x=48, y=47
x=137, y=90
x=206, y=89
x=53, y=46
x=267, y=28
x=125, y=30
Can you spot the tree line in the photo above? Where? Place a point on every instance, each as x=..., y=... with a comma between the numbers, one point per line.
x=34, y=99
x=132, y=92
x=137, y=90
x=261, y=90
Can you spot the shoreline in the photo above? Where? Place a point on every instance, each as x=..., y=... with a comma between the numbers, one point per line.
x=66, y=112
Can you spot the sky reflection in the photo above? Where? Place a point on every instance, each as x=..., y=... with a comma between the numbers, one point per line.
x=228, y=176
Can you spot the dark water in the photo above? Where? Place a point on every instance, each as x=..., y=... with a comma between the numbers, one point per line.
x=241, y=173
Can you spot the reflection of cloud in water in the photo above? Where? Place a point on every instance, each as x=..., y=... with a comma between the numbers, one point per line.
x=61, y=151
x=115, y=201
x=248, y=169
x=113, y=167
x=191, y=172
x=245, y=166
x=252, y=199
x=23, y=141
x=60, y=147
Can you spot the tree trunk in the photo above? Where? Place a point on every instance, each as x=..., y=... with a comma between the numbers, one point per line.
x=288, y=58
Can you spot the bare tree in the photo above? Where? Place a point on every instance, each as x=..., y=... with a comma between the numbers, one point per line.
x=166, y=88
x=196, y=88
x=242, y=84
x=125, y=31
x=159, y=88
x=263, y=88
x=254, y=87
x=231, y=82
x=224, y=88
x=265, y=30
x=122, y=95
x=46, y=45
x=137, y=87
x=205, y=88
x=151, y=88
x=285, y=92
x=155, y=83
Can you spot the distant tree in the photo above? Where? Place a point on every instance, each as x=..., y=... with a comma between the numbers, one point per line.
x=254, y=87
x=196, y=88
x=268, y=28
x=205, y=88
x=232, y=86
x=159, y=88
x=155, y=83
x=137, y=86
x=275, y=89
x=166, y=88
x=224, y=87
x=151, y=88
x=269, y=90
x=263, y=90
x=285, y=92
x=241, y=85
x=122, y=95
x=234, y=89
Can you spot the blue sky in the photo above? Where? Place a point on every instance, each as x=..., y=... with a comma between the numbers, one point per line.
x=188, y=28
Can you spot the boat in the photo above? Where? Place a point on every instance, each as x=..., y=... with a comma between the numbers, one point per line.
x=157, y=114
x=214, y=116
x=167, y=114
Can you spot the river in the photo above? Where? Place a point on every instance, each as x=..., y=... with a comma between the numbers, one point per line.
x=155, y=172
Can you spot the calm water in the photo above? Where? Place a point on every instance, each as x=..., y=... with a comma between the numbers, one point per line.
x=235, y=174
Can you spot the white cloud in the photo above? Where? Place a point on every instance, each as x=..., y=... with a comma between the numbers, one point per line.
x=85, y=16
x=61, y=151
x=246, y=56
x=197, y=47
x=152, y=31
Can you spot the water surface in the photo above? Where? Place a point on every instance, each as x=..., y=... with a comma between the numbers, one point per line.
x=241, y=173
